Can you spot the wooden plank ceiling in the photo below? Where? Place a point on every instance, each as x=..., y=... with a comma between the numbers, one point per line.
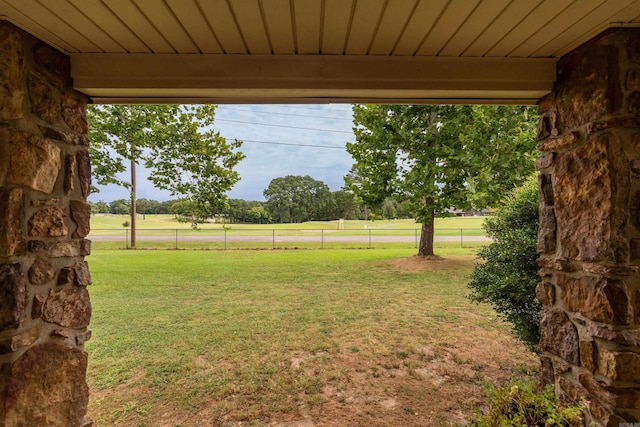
x=316, y=50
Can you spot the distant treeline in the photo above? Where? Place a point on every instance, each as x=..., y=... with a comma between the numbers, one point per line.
x=288, y=199
x=340, y=205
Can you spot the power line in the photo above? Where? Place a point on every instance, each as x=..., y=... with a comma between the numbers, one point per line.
x=283, y=126
x=285, y=114
x=288, y=143
x=319, y=107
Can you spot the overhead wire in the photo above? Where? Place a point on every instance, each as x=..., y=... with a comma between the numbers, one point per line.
x=289, y=143
x=226, y=108
x=283, y=126
x=321, y=107
x=287, y=127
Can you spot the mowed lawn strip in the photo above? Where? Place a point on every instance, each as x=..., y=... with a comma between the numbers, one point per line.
x=450, y=226
x=215, y=338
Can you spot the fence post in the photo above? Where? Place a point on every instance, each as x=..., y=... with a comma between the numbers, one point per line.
x=322, y=239
x=461, y=245
x=126, y=238
x=273, y=238
x=369, y=238
x=415, y=232
x=225, y=238
x=176, y=239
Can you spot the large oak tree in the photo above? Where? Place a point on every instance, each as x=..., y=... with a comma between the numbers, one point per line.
x=434, y=157
x=297, y=199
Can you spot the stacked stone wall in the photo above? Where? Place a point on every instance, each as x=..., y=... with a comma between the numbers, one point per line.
x=589, y=235
x=44, y=219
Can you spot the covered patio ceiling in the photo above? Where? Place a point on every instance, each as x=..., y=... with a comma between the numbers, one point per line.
x=252, y=51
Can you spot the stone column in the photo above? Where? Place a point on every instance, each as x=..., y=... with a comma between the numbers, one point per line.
x=44, y=219
x=589, y=238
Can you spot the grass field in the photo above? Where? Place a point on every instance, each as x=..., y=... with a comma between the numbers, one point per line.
x=257, y=338
x=168, y=221
x=165, y=232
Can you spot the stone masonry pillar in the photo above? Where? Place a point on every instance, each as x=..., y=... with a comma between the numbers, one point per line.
x=44, y=219
x=589, y=238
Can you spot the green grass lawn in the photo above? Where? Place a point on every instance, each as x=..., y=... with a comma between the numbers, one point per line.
x=218, y=338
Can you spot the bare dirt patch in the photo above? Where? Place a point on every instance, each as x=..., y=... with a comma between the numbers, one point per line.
x=418, y=263
x=437, y=385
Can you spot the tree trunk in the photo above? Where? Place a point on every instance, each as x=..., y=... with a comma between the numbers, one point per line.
x=133, y=204
x=426, y=238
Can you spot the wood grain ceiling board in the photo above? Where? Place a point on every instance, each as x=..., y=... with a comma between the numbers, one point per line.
x=555, y=26
x=249, y=17
x=483, y=16
x=223, y=22
x=48, y=19
x=424, y=18
x=75, y=18
x=307, y=16
x=164, y=20
x=532, y=23
x=394, y=21
x=103, y=17
x=505, y=21
x=623, y=16
x=449, y=23
x=590, y=25
x=140, y=25
x=16, y=17
x=366, y=18
x=279, y=24
x=336, y=26
x=190, y=15
x=467, y=28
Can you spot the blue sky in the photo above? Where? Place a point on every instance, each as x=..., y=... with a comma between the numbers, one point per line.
x=260, y=126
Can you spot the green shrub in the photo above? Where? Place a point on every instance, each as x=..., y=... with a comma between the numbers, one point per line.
x=508, y=277
x=521, y=404
x=126, y=224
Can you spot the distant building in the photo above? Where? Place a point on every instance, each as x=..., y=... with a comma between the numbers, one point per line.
x=455, y=211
